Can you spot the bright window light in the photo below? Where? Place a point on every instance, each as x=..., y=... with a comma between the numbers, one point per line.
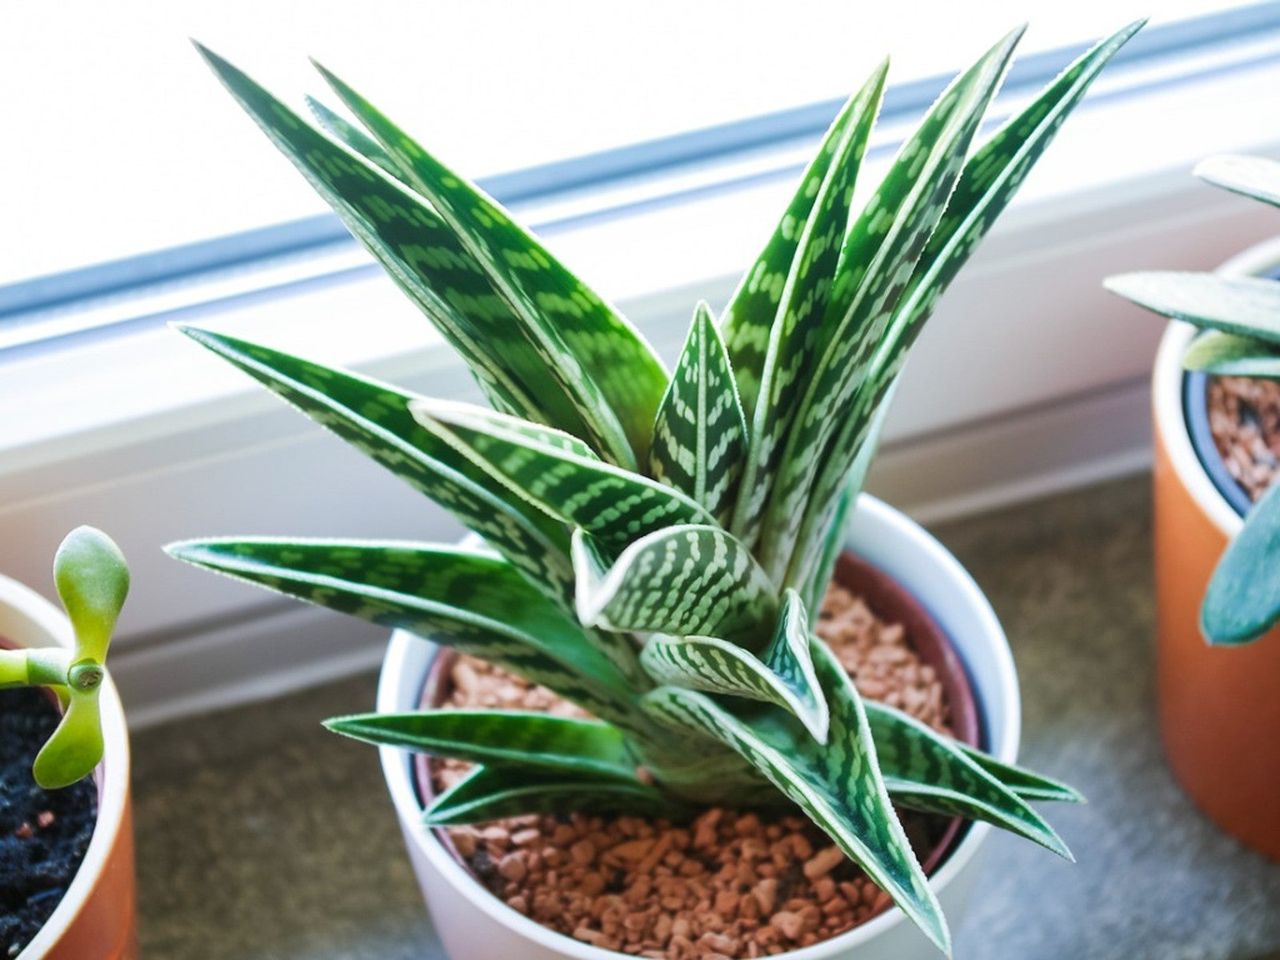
x=121, y=142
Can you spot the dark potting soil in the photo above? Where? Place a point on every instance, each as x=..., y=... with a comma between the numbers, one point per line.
x=43, y=833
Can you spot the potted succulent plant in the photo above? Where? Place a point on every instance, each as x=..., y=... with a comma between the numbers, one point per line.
x=66, y=842
x=651, y=559
x=1217, y=404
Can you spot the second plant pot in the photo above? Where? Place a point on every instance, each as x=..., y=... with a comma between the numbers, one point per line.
x=1219, y=706
x=95, y=919
x=475, y=925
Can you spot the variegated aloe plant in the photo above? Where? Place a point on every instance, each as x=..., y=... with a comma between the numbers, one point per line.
x=655, y=543
x=92, y=579
x=1239, y=320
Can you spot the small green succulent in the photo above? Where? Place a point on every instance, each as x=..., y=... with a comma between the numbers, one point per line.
x=93, y=580
x=1239, y=319
x=655, y=543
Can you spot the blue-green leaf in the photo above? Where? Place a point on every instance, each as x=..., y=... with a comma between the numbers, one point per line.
x=1243, y=598
x=1246, y=306
x=1254, y=177
x=1231, y=355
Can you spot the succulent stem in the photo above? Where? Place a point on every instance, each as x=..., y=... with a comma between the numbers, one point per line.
x=48, y=667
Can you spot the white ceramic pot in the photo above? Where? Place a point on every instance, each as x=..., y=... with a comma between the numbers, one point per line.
x=475, y=925
x=96, y=918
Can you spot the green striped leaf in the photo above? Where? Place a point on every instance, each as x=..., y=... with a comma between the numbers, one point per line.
x=1025, y=783
x=712, y=775
x=375, y=419
x=749, y=319
x=685, y=580
x=566, y=746
x=876, y=264
x=1242, y=601
x=1230, y=355
x=782, y=675
x=1256, y=177
x=838, y=785
x=993, y=175
x=597, y=355
x=819, y=576
x=439, y=270
x=495, y=792
x=700, y=434
x=925, y=771
x=482, y=419
x=988, y=182
x=468, y=600
x=566, y=482
x=1246, y=306
x=355, y=139
x=817, y=566
x=805, y=296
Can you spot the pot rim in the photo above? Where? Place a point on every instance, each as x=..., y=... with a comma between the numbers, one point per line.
x=1167, y=397
x=397, y=767
x=28, y=619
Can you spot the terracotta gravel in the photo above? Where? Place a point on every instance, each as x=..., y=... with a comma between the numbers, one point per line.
x=727, y=885
x=1244, y=417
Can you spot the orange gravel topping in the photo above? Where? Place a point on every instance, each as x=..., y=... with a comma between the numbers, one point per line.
x=726, y=885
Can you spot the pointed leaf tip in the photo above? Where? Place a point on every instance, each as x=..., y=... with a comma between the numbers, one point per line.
x=201, y=335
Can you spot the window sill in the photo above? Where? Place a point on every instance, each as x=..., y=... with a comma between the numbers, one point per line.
x=147, y=436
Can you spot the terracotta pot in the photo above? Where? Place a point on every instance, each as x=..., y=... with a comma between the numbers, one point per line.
x=475, y=925
x=1219, y=706
x=96, y=919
